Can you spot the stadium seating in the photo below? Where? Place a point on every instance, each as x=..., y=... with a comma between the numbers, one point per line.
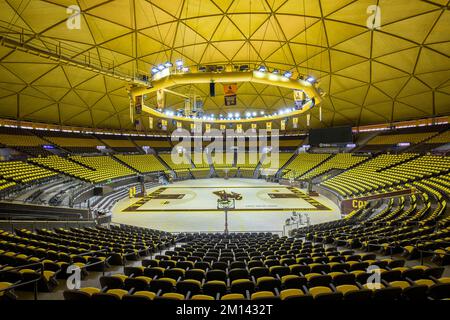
x=391, y=139
x=142, y=163
x=302, y=163
x=340, y=161
x=91, y=169
x=22, y=172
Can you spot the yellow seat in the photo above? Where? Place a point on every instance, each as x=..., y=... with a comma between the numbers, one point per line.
x=310, y=275
x=400, y=284
x=90, y=290
x=173, y=295
x=117, y=292
x=202, y=297
x=444, y=280
x=319, y=290
x=373, y=286
x=262, y=294
x=233, y=296
x=120, y=276
x=346, y=288
x=4, y=285
x=288, y=293
x=148, y=294
x=146, y=279
x=425, y=282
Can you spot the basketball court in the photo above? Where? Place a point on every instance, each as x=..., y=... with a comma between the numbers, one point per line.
x=192, y=206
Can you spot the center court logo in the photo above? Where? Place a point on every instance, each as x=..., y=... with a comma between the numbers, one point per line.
x=237, y=148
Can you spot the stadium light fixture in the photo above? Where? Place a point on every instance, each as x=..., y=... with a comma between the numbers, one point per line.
x=287, y=74
x=276, y=71
x=311, y=79
x=155, y=70
x=161, y=67
x=168, y=64
x=179, y=64
x=262, y=69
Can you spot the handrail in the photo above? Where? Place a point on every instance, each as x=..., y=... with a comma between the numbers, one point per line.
x=35, y=281
x=91, y=252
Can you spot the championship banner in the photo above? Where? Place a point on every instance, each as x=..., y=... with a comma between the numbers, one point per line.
x=230, y=91
x=239, y=128
x=223, y=127
x=160, y=99
x=164, y=124
x=299, y=98
x=320, y=113
x=283, y=125
x=138, y=105
x=192, y=127
x=269, y=126
x=150, y=122
x=308, y=119
x=208, y=127
x=254, y=126
x=179, y=124
x=295, y=123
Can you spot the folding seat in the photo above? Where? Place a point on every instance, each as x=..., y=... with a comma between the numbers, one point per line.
x=287, y=261
x=202, y=265
x=162, y=257
x=439, y=291
x=202, y=297
x=268, y=283
x=352, y=292
x=264, y=295
x=185, y=265
x=216, y=274
x=135, y=271
x=139, y=283
x=139, y=296
x=47, y=279
x=356, y=265
x=214, y=288
x=339, y=267
x=279, y=271
x=233, y=296
x=341, y=278
x=238, y=265
x=174, y=273
x=295, y=295
x=411, y=291
x=82, y=294
x=390, y=275
x=305, y=261
x=322, y=293
x=170, y=296
x=435, y=272
x=190, y=286
x=220, y=265
x=319, y=268
x=167, y=264
x=196, y=274
x=299, y=269
x=162, y=285
x=111, y=295
x=258, y=272
x=292, y=281
x=317, y=279
x=238, y=273
x=242, y=286
x=387, y=293
x=154, y=272
x=254, y=264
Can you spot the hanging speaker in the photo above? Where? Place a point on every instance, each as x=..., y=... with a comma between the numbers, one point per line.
x=212, y=89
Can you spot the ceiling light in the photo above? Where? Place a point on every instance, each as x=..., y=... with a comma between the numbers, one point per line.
x=276, y=71
x=254, y=114
x=179, y=63
x=262, y=69
x=155, y=70
x=168, y=64
x=311, y=79
x=237, y=114
x=287, y=74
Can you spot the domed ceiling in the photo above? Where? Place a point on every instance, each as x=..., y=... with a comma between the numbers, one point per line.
x=376, y=64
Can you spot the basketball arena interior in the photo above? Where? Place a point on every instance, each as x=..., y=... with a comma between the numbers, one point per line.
x=252, y=150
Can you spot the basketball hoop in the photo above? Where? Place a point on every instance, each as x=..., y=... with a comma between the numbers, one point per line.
x=226, y=205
